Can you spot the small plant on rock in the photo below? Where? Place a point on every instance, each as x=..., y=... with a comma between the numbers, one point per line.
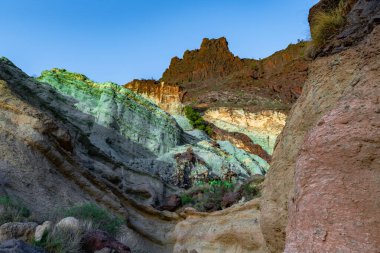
x=196, y=120
x=97, y=215
x=12, y=211
x=326, y=24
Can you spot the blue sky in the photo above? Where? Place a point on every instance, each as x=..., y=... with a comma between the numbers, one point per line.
x=119, y=40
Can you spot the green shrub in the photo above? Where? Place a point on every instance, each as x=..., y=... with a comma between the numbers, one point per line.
x=12, y=211
x=186, y=199
x=196, y=120
x=98, y=216
x=326, y=24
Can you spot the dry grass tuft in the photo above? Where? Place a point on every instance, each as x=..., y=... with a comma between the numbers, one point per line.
x=327, y=24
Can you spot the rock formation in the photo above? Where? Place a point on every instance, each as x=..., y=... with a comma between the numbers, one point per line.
x=65, y=139
x=323, y=182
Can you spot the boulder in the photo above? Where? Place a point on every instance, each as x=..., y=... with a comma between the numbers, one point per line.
x=97, y=240
x=40, y=230
x=230, y=198
x=17, y=230
x=68, y=222
x=18, y=246
x=171, y=203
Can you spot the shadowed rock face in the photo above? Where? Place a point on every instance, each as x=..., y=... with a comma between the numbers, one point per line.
x=321, y=191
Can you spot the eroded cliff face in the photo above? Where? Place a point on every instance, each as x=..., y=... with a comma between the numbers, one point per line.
x=321, y=192
x=167, y=96
x=262, y=127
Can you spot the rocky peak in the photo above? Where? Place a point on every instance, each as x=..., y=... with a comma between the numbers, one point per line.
x=220, y=44
x=212, y=60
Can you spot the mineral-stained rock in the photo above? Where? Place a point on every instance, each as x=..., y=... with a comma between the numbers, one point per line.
x=323, y=184
x=262, y=127
x=167, y=96
x=18, y=246
x=17, y=230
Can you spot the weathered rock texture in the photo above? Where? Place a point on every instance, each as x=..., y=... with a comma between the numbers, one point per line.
x=235, y=230
x=167, y=96
x=213, y=76
x=323, y=184
x=335, y=207
x=17, y=230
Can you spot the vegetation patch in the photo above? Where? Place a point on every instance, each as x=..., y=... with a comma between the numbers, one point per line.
x=97, y=215
x=219, y=194
x=12, y=211
x=196, y=120
x=327, y=24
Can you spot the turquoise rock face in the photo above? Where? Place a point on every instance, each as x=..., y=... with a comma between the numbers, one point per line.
x=141, y=121
x=118, y=108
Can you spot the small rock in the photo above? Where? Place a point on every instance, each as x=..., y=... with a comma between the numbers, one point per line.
x=17, y=230
x=171, y=203
x=40, y=230
x=18, y=246
x=104, y=250
x=97, y=240
x=68, y=222
x=230, y=198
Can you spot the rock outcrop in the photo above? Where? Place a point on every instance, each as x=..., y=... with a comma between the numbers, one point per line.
x=321, y=192
x=167, y=96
